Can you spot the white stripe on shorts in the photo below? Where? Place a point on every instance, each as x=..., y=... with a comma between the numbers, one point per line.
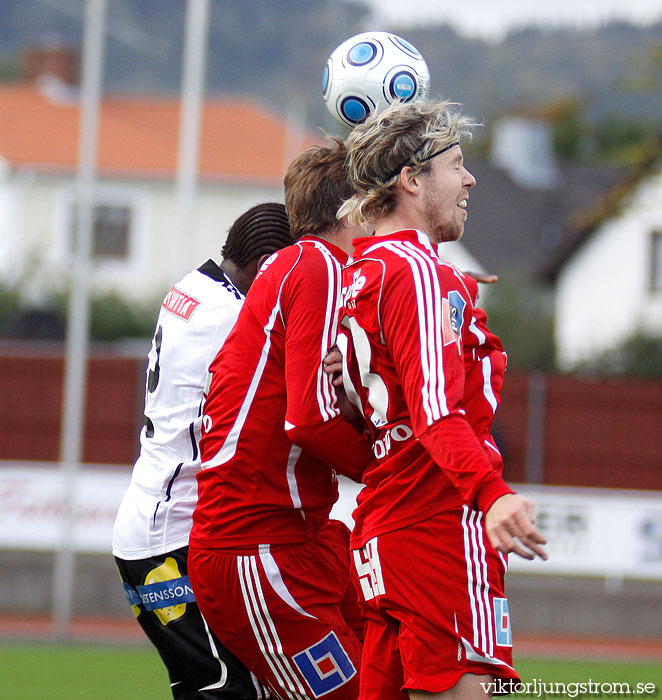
x=486, y=587
x=477, y=581
x=276, y=580
x=470, y=576
x=265, y=630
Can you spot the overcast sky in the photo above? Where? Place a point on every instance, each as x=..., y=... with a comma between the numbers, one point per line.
x=492, y=18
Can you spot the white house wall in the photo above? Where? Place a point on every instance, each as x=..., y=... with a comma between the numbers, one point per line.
x=456, y=253
x=153, y=267
x=40, y=208
x=33, y=229
x=9, y=255
x=217, y=210
x=41, y=219
x=603, y=294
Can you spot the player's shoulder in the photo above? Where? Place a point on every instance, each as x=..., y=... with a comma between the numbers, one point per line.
x=278, y=263
x=417, y=256
x=319, y=253
x=392, y=257
x=367, y=267
x=208, y=280
x=206, y=290
x=453, y=277
x=448, y=269
x=303, y=260
x=384, y=262
x=362, y=282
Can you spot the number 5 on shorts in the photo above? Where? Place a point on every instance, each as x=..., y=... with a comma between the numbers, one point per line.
x=369, y=570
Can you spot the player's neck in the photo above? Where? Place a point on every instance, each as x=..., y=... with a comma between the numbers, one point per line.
x=344, y=237
x=398, y=221
x=241, y=277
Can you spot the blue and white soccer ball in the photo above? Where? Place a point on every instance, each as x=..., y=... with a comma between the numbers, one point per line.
x=368, y=72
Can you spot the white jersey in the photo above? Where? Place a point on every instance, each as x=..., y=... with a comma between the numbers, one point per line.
x=195, y=319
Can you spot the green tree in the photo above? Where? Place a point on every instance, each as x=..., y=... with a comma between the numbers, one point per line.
x=520, y=313
x=569, y=130
x=638, y=356
x=621, y=141
x=9, y=302
x=112, y=317
x=8, y=70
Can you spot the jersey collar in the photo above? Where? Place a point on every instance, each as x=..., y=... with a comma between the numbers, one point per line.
x=338, y=253
x=211, y=269
x=411, y=235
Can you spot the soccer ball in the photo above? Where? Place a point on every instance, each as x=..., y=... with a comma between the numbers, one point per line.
x=368, y=72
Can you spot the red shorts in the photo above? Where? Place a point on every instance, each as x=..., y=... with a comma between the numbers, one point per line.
x=435, y=607
x=289, y=612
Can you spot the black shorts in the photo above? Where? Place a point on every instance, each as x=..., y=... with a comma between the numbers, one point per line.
x=200, y=668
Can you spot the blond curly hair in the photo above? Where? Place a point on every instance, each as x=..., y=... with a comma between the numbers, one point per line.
x=379, y=148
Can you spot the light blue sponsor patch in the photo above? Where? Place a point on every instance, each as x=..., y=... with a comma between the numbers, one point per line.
x=325, y=665
x=504, y=637
x=457, y=304
x=164, y=594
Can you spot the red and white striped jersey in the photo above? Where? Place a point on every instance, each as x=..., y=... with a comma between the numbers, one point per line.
x=427, y=373
x=273, y=437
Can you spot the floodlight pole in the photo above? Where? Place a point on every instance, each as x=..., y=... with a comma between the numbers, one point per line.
x=76, y=355
x=192, y=90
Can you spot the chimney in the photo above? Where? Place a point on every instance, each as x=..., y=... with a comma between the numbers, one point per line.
x=54, y=60
x=523, y=147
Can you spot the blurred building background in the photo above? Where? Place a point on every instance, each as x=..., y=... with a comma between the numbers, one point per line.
x=567, y=211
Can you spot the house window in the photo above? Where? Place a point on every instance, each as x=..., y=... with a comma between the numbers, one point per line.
x=111, y=230
x=656, y=261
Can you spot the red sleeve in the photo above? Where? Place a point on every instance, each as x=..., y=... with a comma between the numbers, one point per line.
x=309, y=306
x=455, y=448
x=483, y=384
x=337, y=444
x=423, y=320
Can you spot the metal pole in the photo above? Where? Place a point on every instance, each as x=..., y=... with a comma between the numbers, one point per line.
x=295, y=126
x=75, y=377
x=192, y=89
x=534, y=459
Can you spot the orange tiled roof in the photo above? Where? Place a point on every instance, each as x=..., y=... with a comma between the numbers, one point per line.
x=240, y=140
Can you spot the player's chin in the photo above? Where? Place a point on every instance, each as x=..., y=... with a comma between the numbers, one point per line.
x=451, y=232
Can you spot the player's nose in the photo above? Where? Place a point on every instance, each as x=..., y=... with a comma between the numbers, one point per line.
x=468, y=180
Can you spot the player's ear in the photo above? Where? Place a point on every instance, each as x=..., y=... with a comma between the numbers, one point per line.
x=409, y=180
x=344, y=221
x=261, y=260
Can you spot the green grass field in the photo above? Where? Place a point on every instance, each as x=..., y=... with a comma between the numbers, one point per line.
x=81, y=672
x=92, y=672
x=603, y=674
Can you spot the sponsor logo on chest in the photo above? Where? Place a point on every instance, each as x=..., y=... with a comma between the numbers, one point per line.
x=399, y=433
x=351, y=291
